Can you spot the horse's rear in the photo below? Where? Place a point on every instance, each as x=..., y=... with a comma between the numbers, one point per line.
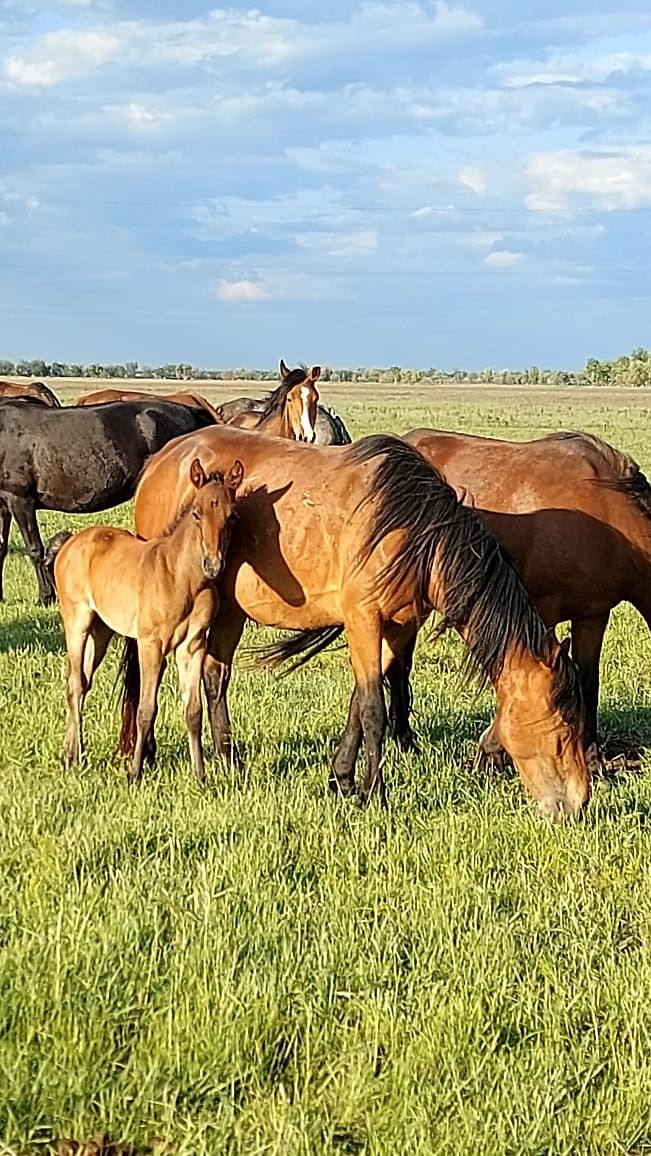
x=31, y=391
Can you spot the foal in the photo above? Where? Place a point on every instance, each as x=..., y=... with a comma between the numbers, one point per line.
x=160, y=593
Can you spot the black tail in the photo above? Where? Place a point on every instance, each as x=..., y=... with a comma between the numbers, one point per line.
x=52, y=549
x=130, y=678
x=47, y=395
x=304, y=643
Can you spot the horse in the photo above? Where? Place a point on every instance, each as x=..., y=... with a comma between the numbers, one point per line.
x=249, y=413
x=161, y=594
x=574, y=514
x=290, y=411
x=34, y=390
x=194, y=400
x=370, y=538
x=77, y=460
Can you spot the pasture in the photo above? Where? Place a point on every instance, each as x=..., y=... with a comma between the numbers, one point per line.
x=256, y=967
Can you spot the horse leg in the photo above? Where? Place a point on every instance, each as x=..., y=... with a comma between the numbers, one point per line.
x=152, y=664
x=25, y=515
x=397, y=672
x=397, y=658
x=225, y=634
x=5, y=523
x=190, y=664
x=77, y=634
x=587, y=640
x=96, y=646
x=365, y=642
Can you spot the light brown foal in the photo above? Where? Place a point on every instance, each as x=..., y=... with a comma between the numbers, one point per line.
x=160, y=593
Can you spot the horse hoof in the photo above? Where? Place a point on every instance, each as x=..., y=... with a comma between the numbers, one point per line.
x=47, y=599
x=408, y=743
x=345, y=788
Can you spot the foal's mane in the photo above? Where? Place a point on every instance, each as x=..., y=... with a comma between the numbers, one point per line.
x=482, y=591
x=184, y=508
x=627, y=477
x=274, y=402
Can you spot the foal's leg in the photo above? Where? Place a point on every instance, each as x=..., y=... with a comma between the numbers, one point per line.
x=225, y=634
x=77, y=632
x=152, y=664
x=25, y=515
x=5, y=523
x=587, y=640
x=364, y=634
x=190, y=664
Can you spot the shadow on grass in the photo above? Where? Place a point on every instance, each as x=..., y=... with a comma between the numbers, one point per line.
x=39, y=632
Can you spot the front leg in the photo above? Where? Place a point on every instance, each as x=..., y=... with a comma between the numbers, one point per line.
x=25, y=515
x=490, y=754
x=225, y=633
x=152, y=665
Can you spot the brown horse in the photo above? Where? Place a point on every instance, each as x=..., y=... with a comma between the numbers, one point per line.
x=160, y=593
x=291, y=410
x=33, y=390
x=369, y=537
x=194, y=400
x=575, y=516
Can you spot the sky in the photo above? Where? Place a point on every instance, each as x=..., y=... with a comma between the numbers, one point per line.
x=450, y=184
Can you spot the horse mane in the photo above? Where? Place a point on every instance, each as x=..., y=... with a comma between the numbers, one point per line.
x=48, y=396
x=481, y=589
x=274, y=402
x=186, y=506
x=627, y=477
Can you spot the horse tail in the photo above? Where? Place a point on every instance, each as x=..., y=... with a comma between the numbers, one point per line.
x=52, y=549
x=46, y=394
x=130, y=678
x=302, y=645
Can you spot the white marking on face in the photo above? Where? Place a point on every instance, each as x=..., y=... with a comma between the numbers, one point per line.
x=306, y=424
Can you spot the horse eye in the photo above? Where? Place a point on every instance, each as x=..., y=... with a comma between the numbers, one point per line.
x=196, y=515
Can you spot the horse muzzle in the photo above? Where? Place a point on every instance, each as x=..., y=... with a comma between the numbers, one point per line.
x=213, y=567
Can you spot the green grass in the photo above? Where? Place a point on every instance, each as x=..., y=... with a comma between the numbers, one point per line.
x=254, y=967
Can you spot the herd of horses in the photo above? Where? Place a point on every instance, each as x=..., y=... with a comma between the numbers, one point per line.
x=265, y=510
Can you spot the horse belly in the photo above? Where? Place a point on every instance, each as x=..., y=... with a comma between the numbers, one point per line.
x=287, y=602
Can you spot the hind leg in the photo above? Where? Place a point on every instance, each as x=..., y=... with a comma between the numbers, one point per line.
x=25, y=515
x=152, y=665
x=587, y=640
x=400, y=654
x=5, y=524
x=364, y=633
x=225, y=634
x=77, y=632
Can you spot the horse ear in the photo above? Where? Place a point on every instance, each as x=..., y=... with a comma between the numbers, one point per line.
x=219, y=410
x=235, y=475
x=315, y=373
x=197, y=475
x=284, y=371
x=563, y=650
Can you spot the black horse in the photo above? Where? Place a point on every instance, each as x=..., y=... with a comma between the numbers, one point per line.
x=330, y=429
x=79, y=460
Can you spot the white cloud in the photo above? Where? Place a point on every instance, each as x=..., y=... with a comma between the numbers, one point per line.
x=609, y=180
x=570, y=68
x=502, y=259
x=243, y=290
x=342, y=244
x=62, y=56
x=473, y=178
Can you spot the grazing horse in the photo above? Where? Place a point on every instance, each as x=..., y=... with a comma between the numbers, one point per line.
x=33, y=390
x=369, y=537
x=574, y=514
x=77, y=460
x=160, y=594
x=291, y=410
x=194, y=400
x=249, y=413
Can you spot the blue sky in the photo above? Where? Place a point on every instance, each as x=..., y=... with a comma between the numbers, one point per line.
x=419, y=183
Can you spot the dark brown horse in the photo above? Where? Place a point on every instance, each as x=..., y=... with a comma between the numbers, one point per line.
x=369, y=537
x=291, y=410
x=194, y=400
x=34, y=390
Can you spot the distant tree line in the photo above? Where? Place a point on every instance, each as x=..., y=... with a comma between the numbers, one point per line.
x=633, y=369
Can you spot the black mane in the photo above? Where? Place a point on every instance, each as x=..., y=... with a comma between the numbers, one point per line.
x=481, y=589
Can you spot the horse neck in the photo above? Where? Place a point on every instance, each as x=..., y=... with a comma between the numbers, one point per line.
x=183, y=550
x=275, y=424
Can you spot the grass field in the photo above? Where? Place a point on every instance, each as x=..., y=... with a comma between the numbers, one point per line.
x=254, y=967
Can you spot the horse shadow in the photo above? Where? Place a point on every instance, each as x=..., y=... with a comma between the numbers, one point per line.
x=40, y=633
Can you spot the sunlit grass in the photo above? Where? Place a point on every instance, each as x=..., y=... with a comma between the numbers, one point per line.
x=255, y=967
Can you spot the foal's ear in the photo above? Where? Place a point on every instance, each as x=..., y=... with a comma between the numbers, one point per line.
x=233, y=479
x=314, y=373
x=284, y=371
x=563, y=651
x=197, y=474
